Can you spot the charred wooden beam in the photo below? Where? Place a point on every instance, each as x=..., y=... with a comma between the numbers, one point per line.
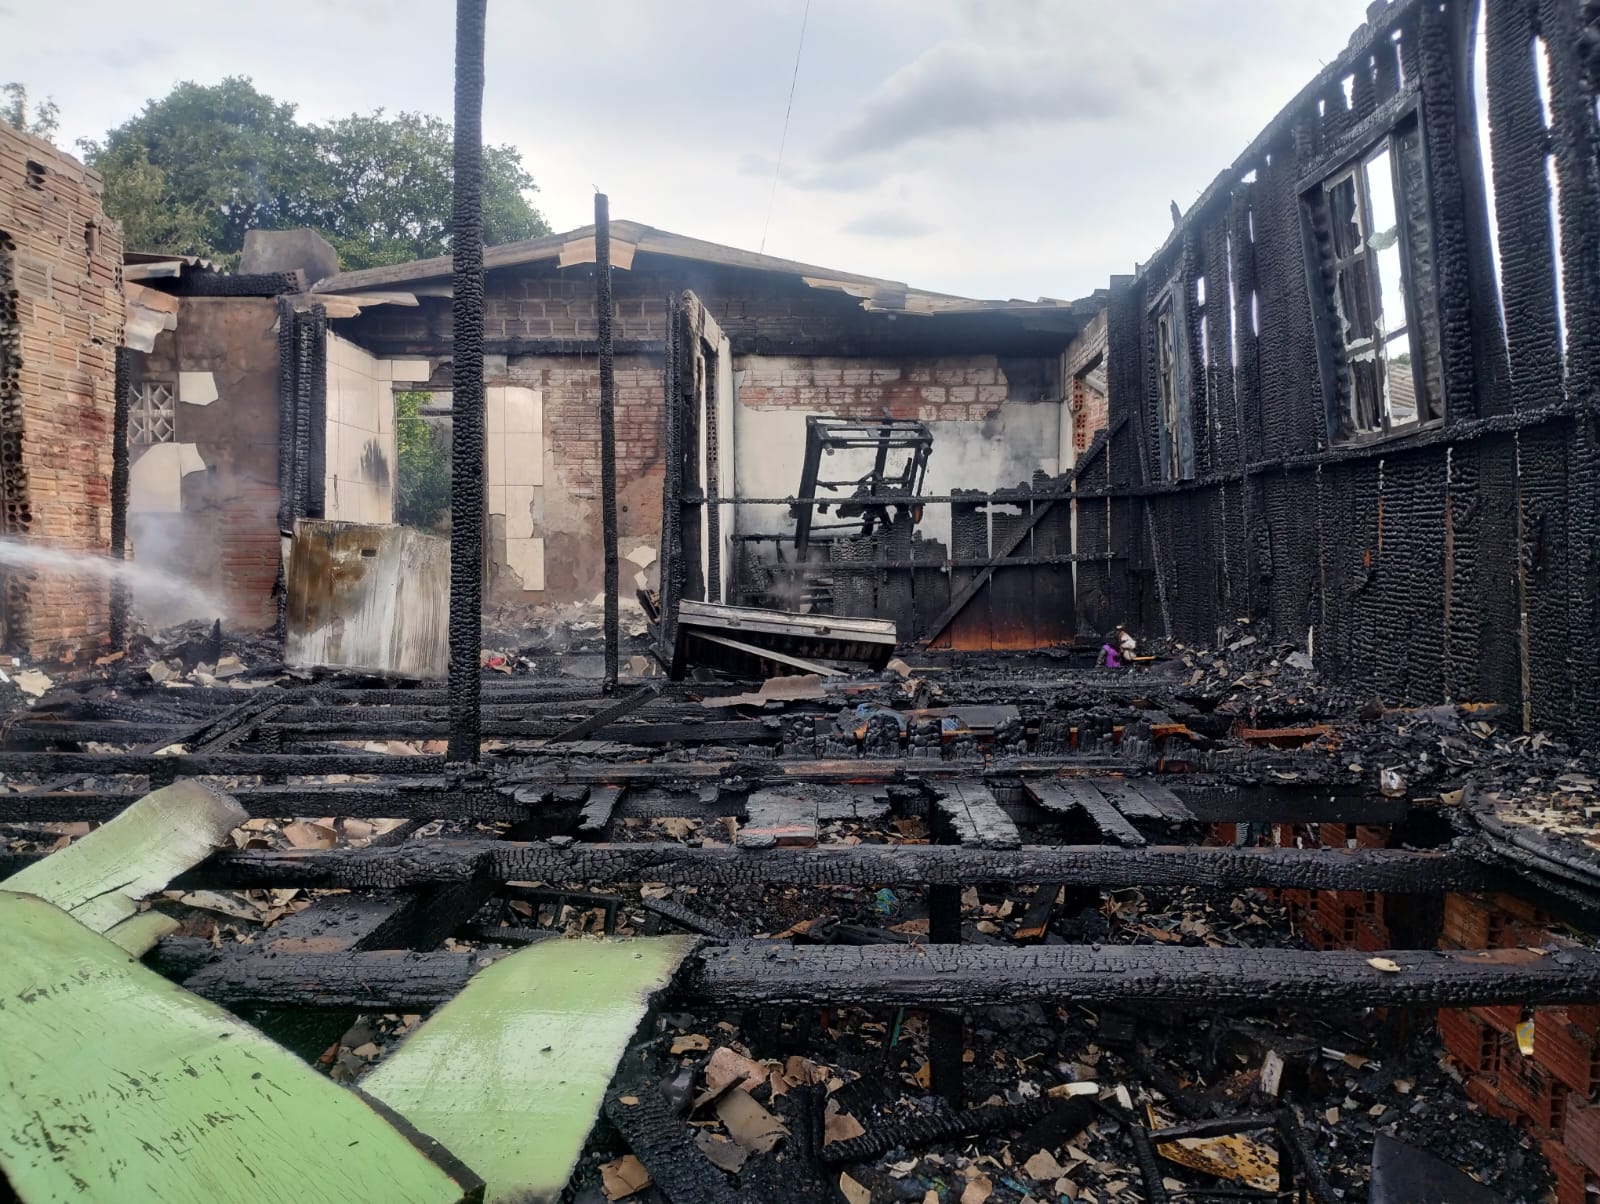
x=770, y=973
x=415, y=864
x=402, y=799
x=215, y=765
x=760, y=973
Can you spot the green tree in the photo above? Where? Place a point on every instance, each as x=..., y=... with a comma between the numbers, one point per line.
x=46, y=119
x=387, y=185
x=201, y=166
x=423, y=475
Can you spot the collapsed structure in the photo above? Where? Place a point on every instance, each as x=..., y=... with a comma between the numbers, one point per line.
x=1339, y=431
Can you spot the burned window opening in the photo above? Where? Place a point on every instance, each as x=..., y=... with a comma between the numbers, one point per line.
x=1372, y=238
x=1172, y=386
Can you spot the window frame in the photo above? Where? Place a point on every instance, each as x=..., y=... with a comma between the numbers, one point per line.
x=1421, y=330
x=1175, y=457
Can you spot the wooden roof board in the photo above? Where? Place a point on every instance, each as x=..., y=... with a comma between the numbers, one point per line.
x=119, y=1085
x=511, y=1073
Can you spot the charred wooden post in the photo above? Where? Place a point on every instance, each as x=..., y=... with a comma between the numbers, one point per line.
x=286, y=449
x=466, y=382
x=608, y=430
x=947, y=1029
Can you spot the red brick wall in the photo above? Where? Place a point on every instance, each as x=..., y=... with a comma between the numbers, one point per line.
x=1083, y=368
x=63, y=277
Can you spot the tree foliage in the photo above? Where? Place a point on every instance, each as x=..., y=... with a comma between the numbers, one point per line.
x=423, y=475
x=201, y=166
x=46, y=115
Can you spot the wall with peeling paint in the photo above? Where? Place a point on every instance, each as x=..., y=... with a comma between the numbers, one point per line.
x=204, y=506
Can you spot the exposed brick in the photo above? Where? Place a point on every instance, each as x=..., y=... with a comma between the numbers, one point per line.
x=1469, y=1041
x=1582, y=1133
x=67, y=298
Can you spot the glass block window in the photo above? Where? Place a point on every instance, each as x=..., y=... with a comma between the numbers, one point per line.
x=152, y=413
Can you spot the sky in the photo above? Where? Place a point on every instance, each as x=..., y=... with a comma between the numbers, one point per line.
x=988, y=148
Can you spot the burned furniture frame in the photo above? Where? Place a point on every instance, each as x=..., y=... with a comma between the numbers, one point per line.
x=870, y=498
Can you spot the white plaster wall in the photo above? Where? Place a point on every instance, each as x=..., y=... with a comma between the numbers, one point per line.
x=513, y=474
x=1000, y=452
x=361, y=459
x=155, y=476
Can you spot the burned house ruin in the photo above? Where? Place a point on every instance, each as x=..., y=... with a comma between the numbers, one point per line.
x=880, y=884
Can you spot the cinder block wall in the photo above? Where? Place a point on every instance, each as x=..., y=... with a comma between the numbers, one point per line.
x=61, y=314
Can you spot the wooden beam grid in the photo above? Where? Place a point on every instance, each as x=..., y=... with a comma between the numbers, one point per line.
x=1074, y=822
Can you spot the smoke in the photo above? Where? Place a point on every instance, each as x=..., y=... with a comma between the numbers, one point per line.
x=165, y=598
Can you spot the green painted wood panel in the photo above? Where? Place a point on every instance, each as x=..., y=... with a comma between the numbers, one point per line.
x=119, y=1086
x=511, y=1073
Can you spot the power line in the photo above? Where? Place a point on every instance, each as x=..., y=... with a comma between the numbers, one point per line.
x=784, y=139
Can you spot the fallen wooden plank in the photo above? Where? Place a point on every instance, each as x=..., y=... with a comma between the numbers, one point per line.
x=122, y=1086
x=779, y=817
x=759, y=973
x=600, y=718
x=1076, y=796
x=597, y=811
x=527, y=1048
x=1170, y=806
x=975, y=818
x=422, y=798
x=100, y=878
x=424, y=862
x=1133, y=805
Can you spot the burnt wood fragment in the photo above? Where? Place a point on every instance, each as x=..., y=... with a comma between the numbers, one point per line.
x=663, y=1143
x=974, y=818
x=921, y=1129
x=1071, y=797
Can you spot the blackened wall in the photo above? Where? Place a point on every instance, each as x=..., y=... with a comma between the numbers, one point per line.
x=1455, y=562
